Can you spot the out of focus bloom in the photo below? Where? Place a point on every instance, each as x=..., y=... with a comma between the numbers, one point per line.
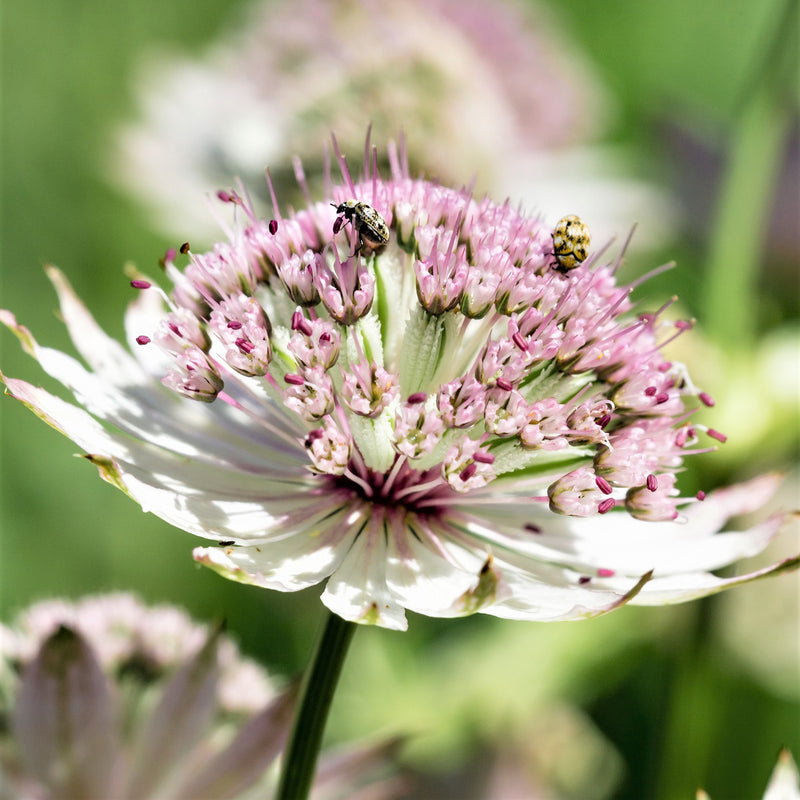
x=126, y=635
x=784, y=783
x=756, y=380
x=109, y=698
x=446, y=424
x=495, y=90
x=758, y=627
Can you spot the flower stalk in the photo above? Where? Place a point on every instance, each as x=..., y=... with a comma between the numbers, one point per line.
x=316, y=696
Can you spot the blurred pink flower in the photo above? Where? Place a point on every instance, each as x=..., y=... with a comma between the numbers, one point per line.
x=110, y=698
x=499, y=91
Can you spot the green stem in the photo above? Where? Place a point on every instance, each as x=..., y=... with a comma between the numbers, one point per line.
x=754, y=160
x=316, y=695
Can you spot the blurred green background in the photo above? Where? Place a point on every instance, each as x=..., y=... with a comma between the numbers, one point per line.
x=673, y=707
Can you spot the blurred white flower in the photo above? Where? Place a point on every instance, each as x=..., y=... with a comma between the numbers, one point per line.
x=495, y=90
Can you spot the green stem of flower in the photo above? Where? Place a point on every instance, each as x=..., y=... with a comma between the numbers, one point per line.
x=748, y=186
x=316, y=695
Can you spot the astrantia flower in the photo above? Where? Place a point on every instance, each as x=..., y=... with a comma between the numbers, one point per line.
x=108, y=698
x=446, y=424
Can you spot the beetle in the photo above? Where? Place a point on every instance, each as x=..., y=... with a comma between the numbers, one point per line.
x=570, y=242
x=368, y=223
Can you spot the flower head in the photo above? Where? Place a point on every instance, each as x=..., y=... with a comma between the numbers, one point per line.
x=111, y=698
x=446, y=423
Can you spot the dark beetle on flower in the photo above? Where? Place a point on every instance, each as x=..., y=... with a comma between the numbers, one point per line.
x=369, y=224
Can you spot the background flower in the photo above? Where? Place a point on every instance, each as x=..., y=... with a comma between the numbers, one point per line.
x=110, y=698
x=494, y=91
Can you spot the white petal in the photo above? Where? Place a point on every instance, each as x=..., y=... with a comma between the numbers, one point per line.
x=167, y=468
x=207, y=500
x=357, y=591
x=631, y=546
x=287, y=565
x=106, y=356
x=121, y=391
x=690, y=586
x=548, y=594
x=153, y=413
x=73, y=422
x=427, y=581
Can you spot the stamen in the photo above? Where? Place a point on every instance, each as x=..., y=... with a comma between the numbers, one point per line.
x=300, y=177
x=419, y=488
x=368, y=491
x=652, y=274
x=606, y=505
x=300, y=323
x=623, y=250
x=342, y=161
x=715, y=434
x=603, y=485
x=273, y=197
x=168, y=257
x=390, y=478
